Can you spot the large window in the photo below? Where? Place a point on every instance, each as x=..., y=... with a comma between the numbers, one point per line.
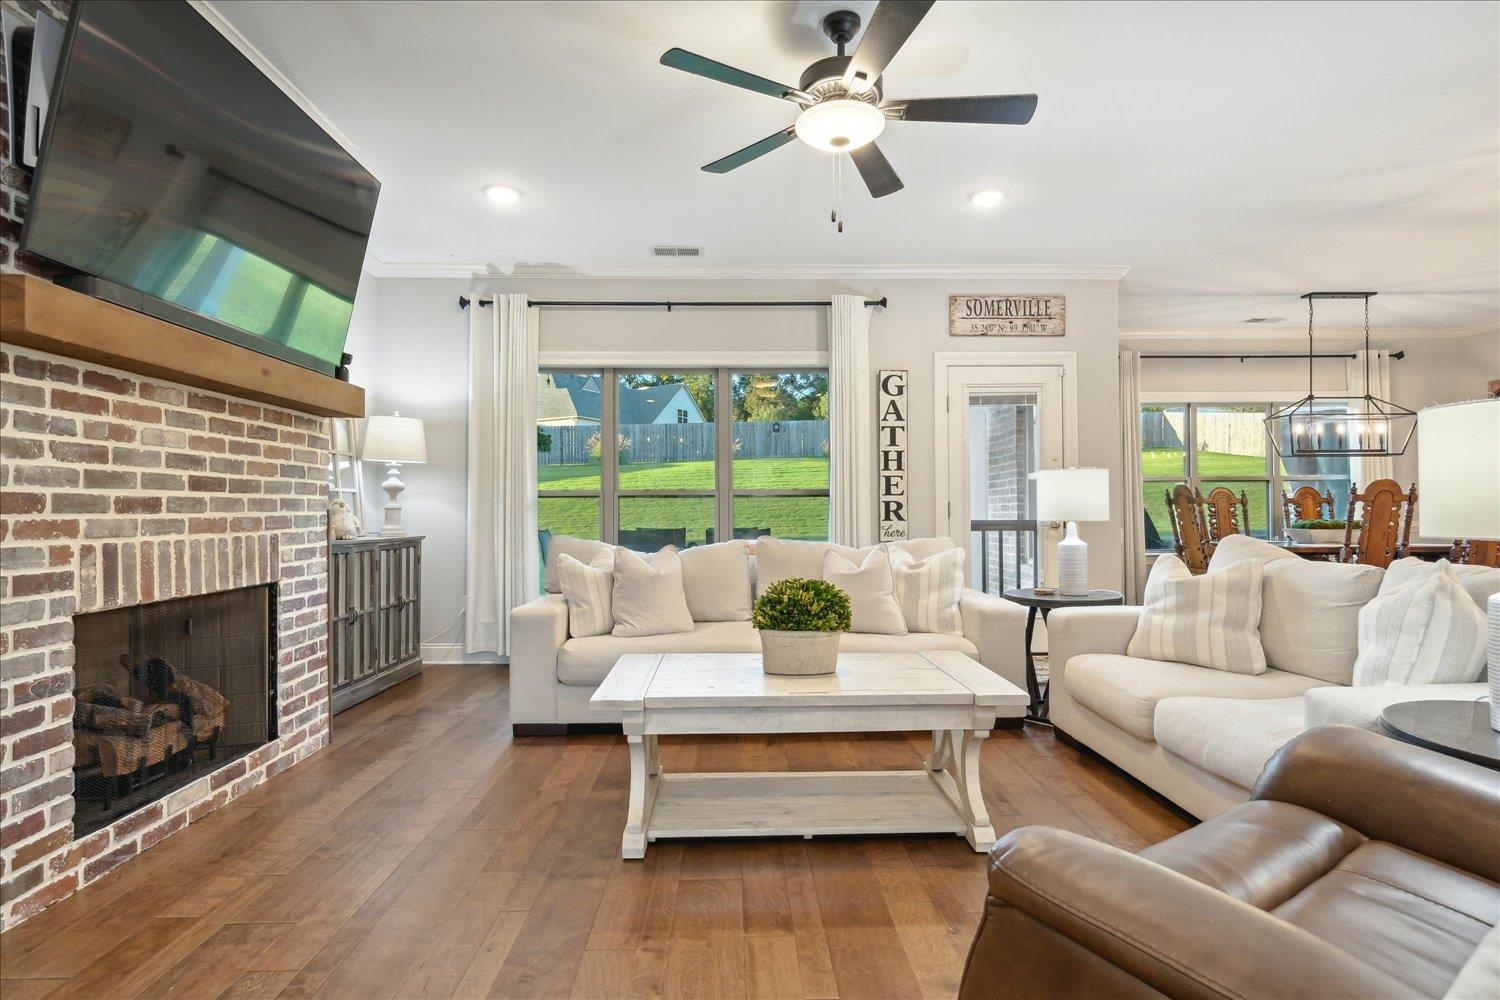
x=697, y=456
x=1207, y=445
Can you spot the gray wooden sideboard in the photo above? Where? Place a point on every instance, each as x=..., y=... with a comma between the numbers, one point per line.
x=375, y=618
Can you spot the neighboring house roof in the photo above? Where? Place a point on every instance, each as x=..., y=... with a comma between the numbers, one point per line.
x=564, y=396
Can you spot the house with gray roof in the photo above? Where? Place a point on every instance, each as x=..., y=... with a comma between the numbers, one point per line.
x=566, y=400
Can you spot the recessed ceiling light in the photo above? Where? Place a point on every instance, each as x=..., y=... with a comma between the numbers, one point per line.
x=986, y=199
x=502, y=194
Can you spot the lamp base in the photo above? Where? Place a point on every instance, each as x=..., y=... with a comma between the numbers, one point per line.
x=1073, y=564
x=1493, y=655
x=393, y=487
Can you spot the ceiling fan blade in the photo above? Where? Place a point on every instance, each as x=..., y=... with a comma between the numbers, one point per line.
x=691, y=62
x=889, y=27
x=876, y=171
x=1000, y=109
x=751, y=152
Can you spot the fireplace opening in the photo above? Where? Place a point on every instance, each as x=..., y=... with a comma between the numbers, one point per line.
x=165, y=693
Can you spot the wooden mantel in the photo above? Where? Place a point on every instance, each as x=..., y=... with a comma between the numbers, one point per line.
x=36, y=313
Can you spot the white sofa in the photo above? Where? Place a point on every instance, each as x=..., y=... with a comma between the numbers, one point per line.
x=553, y=676
x=1200, y=737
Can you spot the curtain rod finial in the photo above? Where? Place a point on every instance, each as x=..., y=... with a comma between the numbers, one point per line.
x=463, y=302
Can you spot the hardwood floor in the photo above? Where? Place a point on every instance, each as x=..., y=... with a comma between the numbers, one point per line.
x=426, y=854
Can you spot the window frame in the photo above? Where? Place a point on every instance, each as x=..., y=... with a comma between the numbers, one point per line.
x=337, y=486
x=1276, y=481
x=723, y=492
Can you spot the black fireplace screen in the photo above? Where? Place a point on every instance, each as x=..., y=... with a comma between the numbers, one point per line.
x=165, y=693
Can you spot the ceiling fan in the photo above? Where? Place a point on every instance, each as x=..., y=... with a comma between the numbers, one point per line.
x=844, y=109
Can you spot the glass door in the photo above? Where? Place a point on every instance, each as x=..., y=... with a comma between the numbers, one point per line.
x=1004, y=424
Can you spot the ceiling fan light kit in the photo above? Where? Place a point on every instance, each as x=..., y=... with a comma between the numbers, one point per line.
x=843, y=100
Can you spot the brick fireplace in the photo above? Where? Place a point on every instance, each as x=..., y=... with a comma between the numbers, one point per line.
x=120, y=490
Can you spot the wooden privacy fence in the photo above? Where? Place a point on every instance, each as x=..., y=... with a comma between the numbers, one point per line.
x=651, y=443
x=1232, y=433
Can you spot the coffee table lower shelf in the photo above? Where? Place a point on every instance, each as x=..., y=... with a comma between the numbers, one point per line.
x=802, y=803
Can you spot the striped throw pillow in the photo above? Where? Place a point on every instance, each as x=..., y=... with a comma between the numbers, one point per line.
x=929, y=590
x=1427, y=631
x=1208, y=621
x=587, y=589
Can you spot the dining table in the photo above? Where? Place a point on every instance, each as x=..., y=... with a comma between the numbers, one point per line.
x=1428, y=551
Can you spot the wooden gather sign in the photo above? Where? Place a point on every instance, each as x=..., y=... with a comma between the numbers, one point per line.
x=891, y=453
x=1007, y=315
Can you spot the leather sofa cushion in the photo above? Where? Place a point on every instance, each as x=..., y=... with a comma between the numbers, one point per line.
x=1230, y=737
x=1407, y=915
x=1125, y=689
x=1262, y=853
x=585, y=662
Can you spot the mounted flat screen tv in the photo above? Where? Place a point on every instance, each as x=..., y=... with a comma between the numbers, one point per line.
x=177, y=179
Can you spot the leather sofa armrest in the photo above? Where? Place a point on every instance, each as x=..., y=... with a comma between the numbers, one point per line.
x=538, y=630
x=1427, y=802
x=1178, y=936
x=998, y=628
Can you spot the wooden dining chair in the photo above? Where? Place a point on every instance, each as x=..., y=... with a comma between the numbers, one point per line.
x=1189, y=531
x=1477, y=552
x=1227, y=514
x=1385, y=514
x=1307, y=504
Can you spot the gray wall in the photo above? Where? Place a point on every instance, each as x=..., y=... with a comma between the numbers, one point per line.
x=419, y=366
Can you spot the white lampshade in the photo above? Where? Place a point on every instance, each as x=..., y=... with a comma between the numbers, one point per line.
x=1072, y=494
x=1458, y=470
x=395, y=439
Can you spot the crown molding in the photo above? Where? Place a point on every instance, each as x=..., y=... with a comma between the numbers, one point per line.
x=747, y=272
x=256, y=56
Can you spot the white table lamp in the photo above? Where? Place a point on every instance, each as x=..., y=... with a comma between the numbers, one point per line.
x=1072, y=495
x=1458, y=486
x=397, y=441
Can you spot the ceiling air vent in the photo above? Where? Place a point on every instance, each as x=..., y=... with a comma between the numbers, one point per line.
x=677, y=251
x=1263, y=319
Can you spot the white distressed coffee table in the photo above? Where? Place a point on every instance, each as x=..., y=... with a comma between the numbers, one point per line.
x=703, y=693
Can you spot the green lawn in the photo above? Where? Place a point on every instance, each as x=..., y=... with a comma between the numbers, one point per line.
x=1212, y=466
x=784, y=517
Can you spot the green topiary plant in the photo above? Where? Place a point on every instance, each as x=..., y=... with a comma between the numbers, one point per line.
x=797, y=604
x=1323, y=523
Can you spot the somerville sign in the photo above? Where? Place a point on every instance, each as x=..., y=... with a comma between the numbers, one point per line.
x=1007, y=315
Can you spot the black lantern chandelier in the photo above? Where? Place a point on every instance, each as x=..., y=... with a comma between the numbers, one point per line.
x=1345, y=426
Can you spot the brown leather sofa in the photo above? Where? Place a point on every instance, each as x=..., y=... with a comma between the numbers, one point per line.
x=1361, y=867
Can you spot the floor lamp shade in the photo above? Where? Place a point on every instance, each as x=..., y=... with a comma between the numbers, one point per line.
x=1072, y=495
x=397, y=441
x=1458, y=479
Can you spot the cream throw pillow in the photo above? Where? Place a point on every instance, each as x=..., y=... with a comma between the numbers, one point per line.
x=1209, y=621
x=928, y=590
x=587, y=591
x=1428, y=631
x=871, y=590
x=1479, y=581
x=582, y=549
x=648, y=596
x=717, y=581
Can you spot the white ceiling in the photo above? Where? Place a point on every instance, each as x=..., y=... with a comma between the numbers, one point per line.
x=1232, y=155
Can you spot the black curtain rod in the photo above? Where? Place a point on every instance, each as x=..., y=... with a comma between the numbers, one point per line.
x=1395, y=356
x=464, y=302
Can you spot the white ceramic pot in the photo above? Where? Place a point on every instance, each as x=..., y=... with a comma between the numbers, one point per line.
x=1316, y=536
x=799, y=653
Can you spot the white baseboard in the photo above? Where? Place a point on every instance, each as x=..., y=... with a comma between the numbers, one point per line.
x=453, y=652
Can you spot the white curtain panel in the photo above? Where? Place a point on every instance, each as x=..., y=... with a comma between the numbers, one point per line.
x=502, y=558
x=1130, y=433
x=1365, y=470
x=851, y=441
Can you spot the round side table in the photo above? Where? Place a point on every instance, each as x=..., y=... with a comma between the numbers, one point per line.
x=1046, y=603
x=1457, y=728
